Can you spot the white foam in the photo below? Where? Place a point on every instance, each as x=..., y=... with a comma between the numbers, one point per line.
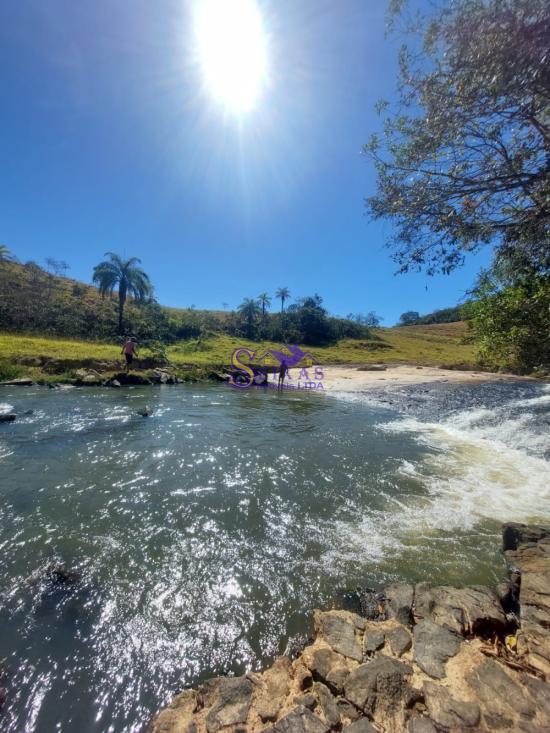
x=4, y=408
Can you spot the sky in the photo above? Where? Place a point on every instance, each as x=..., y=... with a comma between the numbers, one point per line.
x=112, y=138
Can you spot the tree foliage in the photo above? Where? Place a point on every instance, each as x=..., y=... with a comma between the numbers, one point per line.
x=464, y=157
x=124, y=275
x=509, y=318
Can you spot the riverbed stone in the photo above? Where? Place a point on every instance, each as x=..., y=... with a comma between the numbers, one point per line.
x=421, y=724
x=499, y=693
x=230, y=699
x=379, y=687
x=374, y=640
x=433, y=646
x=400, y=640
x=473, y=610
x=363, y=725
x=399, y=602
x=299, y=720
x=327, y=666
x=340, y=635
x=447, y=711
x=276, y=681
x=327, y=703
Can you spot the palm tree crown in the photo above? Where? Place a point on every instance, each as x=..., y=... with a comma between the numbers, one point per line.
x=265, y=301
x=5, y=254
x=130, y=280
x=249, y=310
x=283, y=294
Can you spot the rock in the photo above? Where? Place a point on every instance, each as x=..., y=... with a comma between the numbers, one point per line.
x=83, y=373
x=380, y=688
x=448, y=712
x=360, y=726
x=270, y=699
x=230, y=700
x=499, y=693
x=178, y=716
x=299, y=720
x=514, y=535
x=433, y=646
x=374, y=640
x=327, y=704
x=115, y=383
x=8, y=417
x=307, y=700
x=399, y=601
x=421, y=725
x=371, y=604
x=400, y=640
x=21, y=382
x=346, y=709
x=145, y=411
x=327, y=666
x=90, y=381
x=473, y=610
x=372, y=368
x=340, y=635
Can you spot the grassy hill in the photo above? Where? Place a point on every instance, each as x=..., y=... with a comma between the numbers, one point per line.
x=433, y=345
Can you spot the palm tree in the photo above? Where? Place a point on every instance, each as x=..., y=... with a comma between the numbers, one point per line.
x=5, y=254
x=249, y=310
x=265, y=301
x=283, y=294
x=130, y=280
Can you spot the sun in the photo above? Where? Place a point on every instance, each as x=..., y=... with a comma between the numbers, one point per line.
x=232, y=51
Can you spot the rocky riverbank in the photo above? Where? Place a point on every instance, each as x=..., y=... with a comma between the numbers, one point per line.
x=418, y=659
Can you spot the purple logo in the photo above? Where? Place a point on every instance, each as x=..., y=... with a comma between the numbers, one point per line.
x=292, y=368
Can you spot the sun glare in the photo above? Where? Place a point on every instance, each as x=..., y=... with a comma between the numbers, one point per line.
x=232, y=51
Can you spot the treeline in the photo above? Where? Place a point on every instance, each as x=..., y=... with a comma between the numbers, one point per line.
x=35, y=300
x=444, y=315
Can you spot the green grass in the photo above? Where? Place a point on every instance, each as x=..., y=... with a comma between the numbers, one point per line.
x=438, y=344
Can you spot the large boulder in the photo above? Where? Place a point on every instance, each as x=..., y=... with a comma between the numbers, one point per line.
x=433, y=646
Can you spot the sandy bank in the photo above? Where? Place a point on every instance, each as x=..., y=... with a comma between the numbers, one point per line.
x=354, y=379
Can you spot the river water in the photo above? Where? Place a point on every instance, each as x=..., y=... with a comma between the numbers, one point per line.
x=205, y=535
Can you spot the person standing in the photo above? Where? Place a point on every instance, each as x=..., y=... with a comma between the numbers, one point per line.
x=129, y=350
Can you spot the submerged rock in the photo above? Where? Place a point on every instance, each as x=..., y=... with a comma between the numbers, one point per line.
x=8, y=417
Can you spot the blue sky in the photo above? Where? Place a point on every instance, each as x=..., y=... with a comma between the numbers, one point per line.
x=109, y=141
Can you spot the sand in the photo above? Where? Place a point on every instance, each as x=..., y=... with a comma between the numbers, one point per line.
x=352, y=379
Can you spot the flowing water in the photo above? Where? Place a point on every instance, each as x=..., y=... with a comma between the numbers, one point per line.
x=204, y=535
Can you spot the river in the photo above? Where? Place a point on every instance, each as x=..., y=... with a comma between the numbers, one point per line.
x=204, y=535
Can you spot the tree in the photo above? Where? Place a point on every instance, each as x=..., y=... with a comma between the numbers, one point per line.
x=121, y=273
x=408, y=318
x=509, y=318
x=249, y=310
x=265, y=301
x=283, y=294
x=57, y=267
x=464, y=160
x=5, y=254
